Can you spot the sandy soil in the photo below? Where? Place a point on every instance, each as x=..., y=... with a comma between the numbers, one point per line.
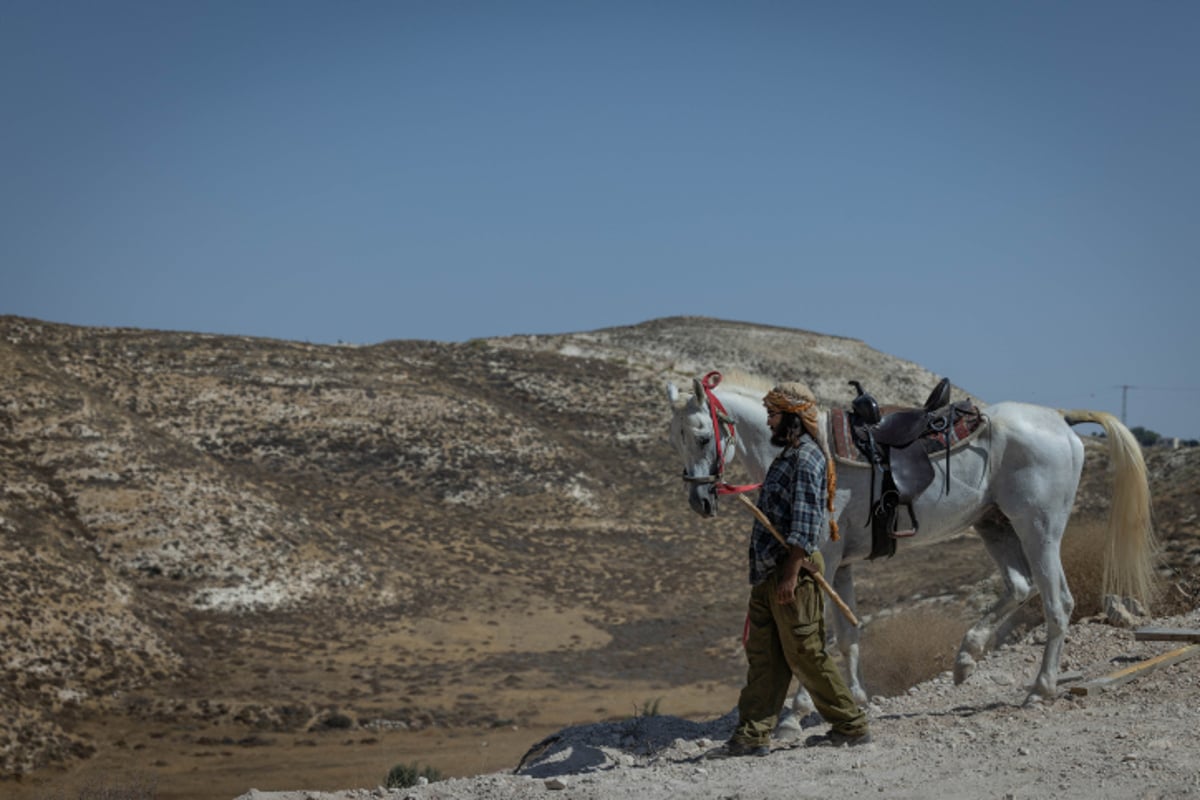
x=491, y=720
x=498, y=709
x=979, y=739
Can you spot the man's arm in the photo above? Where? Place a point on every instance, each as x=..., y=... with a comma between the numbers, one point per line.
x=809, y=518
x=789, y=576
x=807, y=523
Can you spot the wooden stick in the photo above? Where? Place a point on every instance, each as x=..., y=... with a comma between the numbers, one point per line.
x=1122, y=676
x=1167, y=634
x=817, y=576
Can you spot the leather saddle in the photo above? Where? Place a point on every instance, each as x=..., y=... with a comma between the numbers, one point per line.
x=899, y=443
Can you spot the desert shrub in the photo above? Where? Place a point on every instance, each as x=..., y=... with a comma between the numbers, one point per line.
x=1179, y=595
x=332, y=721
x=909, y=647
x=650, y=708
x=640, y=727
x=1083, y=563
x=339, y=722
x=144, y=788
x=403, y=776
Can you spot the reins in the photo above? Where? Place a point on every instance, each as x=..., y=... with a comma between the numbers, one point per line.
x=719, y=417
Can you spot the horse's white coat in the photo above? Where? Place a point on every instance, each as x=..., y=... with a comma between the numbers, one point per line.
x=1015, y=483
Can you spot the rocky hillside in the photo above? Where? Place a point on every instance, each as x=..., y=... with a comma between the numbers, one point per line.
x=181, y=514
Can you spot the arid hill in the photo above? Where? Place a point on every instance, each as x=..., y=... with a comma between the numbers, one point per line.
x=216, y=546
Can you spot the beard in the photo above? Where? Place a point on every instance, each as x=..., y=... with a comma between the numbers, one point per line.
x=788, y=432
x=778, y=437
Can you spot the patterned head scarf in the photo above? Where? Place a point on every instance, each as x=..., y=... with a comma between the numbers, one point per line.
x=796, y=398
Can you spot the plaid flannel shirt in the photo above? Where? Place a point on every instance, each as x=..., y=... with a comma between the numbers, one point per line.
x=793, y=498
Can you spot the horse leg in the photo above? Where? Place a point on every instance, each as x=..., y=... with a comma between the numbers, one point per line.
x=846, y=634
x=800, y=713
x=1000, y=539
x=1036, y=495
x=1057, y=605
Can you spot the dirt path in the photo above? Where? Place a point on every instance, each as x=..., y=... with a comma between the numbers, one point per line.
x=938, y=740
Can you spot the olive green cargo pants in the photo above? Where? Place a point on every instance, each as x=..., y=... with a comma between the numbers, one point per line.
x=786, y=640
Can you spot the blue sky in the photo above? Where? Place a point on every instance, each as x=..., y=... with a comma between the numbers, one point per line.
x=1005, y=193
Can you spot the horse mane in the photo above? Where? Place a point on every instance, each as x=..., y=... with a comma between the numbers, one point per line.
x=754, y=386
x=742, y=382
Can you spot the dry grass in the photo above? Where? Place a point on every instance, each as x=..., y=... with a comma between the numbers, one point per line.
x=1082, y=556
x=1178, y=596
x=1083, y=562
x=910, y=647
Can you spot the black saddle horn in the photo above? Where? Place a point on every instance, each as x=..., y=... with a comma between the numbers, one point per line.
x=864, y=405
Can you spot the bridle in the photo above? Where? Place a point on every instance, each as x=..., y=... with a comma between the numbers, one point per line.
x=720, y=417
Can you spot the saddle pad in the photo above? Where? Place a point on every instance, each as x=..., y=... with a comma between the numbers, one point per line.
x=968, y=420
x=841, y=440
x=841, y=437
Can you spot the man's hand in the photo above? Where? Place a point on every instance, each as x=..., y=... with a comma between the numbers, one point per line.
x=785, y=592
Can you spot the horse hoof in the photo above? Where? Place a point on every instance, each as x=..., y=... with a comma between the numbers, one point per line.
x=964, y=667
x=802, y=705
x=788, y=728
x=1039, y=692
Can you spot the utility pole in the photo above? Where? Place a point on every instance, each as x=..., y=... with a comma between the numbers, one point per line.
x=1125, y=387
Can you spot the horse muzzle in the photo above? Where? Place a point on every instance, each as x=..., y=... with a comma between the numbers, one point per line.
x=702, y=494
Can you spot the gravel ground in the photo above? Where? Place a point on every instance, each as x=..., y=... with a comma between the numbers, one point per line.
x=977, y=740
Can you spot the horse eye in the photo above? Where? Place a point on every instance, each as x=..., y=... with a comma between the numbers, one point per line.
x=703, y=440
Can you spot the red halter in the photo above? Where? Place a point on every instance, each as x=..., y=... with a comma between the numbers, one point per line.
x=719, y=415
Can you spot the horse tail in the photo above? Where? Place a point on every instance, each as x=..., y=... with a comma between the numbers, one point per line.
x=1131, y=543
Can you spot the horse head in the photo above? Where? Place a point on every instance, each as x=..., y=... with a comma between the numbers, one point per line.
x=703, y=437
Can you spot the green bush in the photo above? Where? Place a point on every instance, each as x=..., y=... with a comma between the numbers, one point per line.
x=403, y=776
x=1145, y=437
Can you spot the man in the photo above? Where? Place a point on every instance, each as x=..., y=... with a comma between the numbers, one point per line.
x=786, y=626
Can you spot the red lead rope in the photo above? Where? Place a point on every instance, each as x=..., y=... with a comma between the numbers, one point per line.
x=717, y=413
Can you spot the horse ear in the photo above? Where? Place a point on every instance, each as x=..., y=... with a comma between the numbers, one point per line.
x=672, y=393
x=698, y=388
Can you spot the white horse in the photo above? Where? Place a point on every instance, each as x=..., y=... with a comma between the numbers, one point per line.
x=1014, y=482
